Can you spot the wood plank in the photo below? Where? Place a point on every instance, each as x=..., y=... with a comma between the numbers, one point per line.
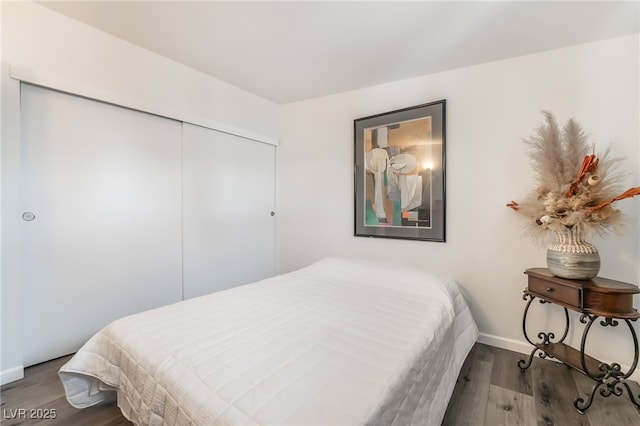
x=554, y=391
x=508, y=408
x=469, y=400
x=65, y=414
x=612, y=410
x=507, y=374
x=41, y=389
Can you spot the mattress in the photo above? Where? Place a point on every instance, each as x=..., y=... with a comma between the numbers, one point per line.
x=340, y=342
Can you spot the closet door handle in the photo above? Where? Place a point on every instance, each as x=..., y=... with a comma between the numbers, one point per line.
x=28, y=216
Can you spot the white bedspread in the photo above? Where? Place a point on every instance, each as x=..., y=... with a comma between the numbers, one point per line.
x=341, y=342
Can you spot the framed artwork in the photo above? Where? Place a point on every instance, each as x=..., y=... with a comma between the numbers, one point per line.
x=400, y=173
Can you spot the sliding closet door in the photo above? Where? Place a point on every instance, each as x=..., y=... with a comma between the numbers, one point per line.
x=228, y=199
x=101, y=187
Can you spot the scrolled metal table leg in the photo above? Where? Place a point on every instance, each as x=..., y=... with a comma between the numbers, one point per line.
x=611, y=376
x=566, y=325
x=633, y=366
x=545, y=338
x=580, y=403
x=522, y=364
x=526, y=364
x=631, y=396
x=524, y=316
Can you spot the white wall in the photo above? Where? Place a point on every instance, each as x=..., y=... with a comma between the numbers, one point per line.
x=490, y=109
x=55, y=48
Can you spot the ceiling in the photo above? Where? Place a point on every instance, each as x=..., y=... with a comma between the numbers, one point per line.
x=296, y=50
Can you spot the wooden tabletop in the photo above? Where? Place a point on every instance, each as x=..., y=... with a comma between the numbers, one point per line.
x=599, y=284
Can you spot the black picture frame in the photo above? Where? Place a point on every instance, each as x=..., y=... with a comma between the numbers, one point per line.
x=399, y=173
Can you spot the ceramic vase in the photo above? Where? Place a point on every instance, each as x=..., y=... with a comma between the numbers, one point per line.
x=570, y=256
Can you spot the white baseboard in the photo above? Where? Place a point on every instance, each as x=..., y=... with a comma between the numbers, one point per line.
x=525, y=348
x=11, y=375
x=504, y=343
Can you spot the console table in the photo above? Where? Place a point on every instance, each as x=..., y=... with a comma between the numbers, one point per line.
x=598, y=297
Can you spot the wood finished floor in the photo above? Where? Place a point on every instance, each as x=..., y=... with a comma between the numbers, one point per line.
x=490, y=391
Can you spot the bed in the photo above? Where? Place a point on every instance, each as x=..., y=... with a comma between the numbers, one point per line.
x=339, y=342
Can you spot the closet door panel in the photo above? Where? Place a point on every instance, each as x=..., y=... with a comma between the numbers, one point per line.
x=228, y=200
x=104, y=185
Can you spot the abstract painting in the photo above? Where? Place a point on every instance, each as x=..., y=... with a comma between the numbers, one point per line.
x=399, y=173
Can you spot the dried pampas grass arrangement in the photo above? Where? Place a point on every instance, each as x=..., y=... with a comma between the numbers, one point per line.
x=575, y=188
